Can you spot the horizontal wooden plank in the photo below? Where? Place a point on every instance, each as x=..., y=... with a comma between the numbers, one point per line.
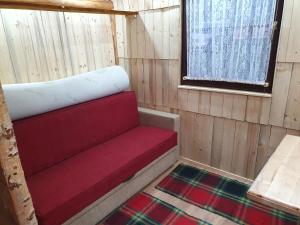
x=86, y=6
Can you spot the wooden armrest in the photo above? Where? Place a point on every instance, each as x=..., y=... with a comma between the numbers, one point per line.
x=159, y=119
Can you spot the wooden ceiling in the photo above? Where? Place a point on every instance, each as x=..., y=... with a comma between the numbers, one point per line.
x=85, y=6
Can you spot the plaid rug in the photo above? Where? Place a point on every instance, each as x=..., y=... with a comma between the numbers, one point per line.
x=222, y=196
x=145, y=209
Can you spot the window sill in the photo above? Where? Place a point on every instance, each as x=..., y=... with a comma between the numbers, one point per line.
x=226, y=91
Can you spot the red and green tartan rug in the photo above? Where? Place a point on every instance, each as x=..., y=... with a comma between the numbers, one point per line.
x=145, y=209
x=220, y=195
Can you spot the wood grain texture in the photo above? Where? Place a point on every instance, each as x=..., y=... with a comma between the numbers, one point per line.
x=41, y=46
x=277, y=184
x=83, y=6
x=293, y=46
x=280, y=93
x=292, y=113
x=149, y=49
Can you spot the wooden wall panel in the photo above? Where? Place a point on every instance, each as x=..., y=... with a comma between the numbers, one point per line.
x=41, y=46
x=285, y=31
x=234, y=132
x=292, y=113
x=293, y=46
x=6, y=68
x=280, y=93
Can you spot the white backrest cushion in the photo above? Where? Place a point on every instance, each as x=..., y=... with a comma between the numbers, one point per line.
x=29, y=99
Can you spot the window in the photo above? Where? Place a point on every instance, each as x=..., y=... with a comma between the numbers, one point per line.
x=230, y=43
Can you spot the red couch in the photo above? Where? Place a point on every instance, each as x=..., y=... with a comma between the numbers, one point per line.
x=73, y=156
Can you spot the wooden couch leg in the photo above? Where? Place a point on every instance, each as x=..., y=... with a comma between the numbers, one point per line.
x=15, y=201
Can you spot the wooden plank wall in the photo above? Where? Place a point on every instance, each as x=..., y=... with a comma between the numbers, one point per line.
x=233, y=132
x=41, y=45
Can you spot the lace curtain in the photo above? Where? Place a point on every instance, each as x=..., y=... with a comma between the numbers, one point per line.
x=229, y=40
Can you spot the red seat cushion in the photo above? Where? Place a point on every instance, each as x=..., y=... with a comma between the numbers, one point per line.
x=50, y=138
x=65, y=189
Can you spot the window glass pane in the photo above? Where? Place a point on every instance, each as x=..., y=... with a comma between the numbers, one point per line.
x=229, y=40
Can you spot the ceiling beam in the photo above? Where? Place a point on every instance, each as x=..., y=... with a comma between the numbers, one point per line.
x=84, y=6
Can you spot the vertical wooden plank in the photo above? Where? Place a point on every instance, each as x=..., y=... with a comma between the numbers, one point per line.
x=166, y=81
x=252, y=148
x=253, y=110
x=164, y=3
x=76, y=42
x=227, y=106
x=265, y=110
x=52, y=45
x=141, y=48
x=133, y=5
x=263, y=147
x=7, y=74
x=61, y=45
x=217, y=142
x=193, y=100
x=174, y=22
x=188, y=100
x=20, y=45
x=293, y=50
x=156, y=4
x=228, y=144
x=120, y=36
x=127, y=37
x=86, y=39
x=183, y=99
x=159, y=82
x=292, y=113
x=97, y=40
x=134, y=75
x=240, y=152
x=148, y=4
x=126, y=5
x=280, y=93
x=173, y=77
x=203, y=133
x=133, y=37
x=141, y=87
x=109, y=52
x=285, y=31
x=64, y=44
x=158, y=34
x=149, y=78
x=187, y=120
x=216, y=104
x=165, y=53
x=239, y=107
x=43, y=44
x=149, y=34
x=277, y=134
x=141, y=5
x=204, y=102
x=126, y=65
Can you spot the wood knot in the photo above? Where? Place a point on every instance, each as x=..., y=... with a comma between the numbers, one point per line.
x=26, y=199
x=31, y=215
x=7, y=133
x=12, y=185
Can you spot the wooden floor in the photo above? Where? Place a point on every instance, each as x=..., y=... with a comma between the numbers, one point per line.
x=189, y=208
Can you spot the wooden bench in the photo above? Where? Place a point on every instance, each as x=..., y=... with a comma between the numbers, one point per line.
x=278, y=184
